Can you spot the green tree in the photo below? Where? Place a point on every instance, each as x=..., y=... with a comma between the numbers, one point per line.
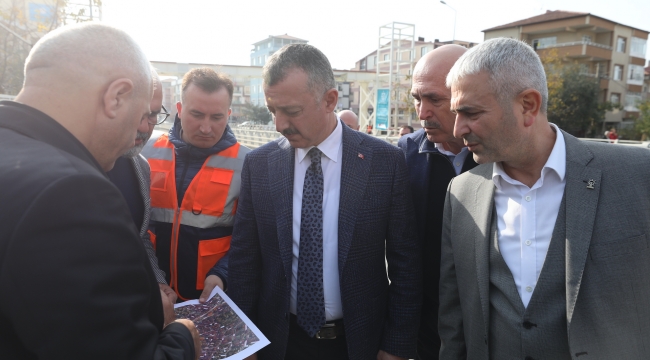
x=22, y=24
x=573, y=102
x=642, y=124
x=256, y=113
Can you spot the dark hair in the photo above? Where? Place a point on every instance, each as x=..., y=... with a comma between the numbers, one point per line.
x=207, y=80
x=304, y=57
x=408, y=127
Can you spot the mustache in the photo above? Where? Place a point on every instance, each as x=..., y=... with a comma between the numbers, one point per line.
x=289, y=131
x=430, y=124
x=470, y=138
x=142, y=136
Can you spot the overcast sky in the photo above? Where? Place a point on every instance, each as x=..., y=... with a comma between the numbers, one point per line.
x=222, y=31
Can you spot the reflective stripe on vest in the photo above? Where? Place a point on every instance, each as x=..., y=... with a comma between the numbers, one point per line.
x=211, y=198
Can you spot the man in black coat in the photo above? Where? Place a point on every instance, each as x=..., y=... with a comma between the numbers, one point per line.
x=433, y=157
x=75, y=278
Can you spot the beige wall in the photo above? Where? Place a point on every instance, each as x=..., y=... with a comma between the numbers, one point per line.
x=509, y=33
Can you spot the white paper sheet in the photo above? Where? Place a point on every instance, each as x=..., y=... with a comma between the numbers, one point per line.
x=226, y=333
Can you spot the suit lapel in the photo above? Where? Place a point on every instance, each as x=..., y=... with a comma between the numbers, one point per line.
x=355, y=170
x=483, y=216
x=281, y=170
x=581, y=206
x=143, y=183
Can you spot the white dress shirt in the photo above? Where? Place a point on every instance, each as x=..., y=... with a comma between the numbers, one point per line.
x=456, y=159
x=331, y=161
x=526, y=217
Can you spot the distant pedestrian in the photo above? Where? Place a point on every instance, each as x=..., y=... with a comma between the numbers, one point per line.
x=612, y=136
x=405, y=129
x=350, y=119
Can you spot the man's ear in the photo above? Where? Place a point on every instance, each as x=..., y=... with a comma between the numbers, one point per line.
x=116, y=96
x=331, y=98
x=179, y=107
x=531, y=104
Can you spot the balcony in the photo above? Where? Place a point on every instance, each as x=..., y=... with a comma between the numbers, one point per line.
x=579, y=50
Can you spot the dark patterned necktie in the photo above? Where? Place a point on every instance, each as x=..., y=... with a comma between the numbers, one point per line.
x=310, y=299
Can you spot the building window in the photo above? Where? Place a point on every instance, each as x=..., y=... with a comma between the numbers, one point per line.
x=542, y=43
x=423, y=50
x=615, y=98
x=618, y=72
x=374, y=60
x=620, y=44
x=586, y=38
x=386, y=57
x=362, y=66
x=635, y=74
x=270, y=44
x=632, y=100
x=637, y=47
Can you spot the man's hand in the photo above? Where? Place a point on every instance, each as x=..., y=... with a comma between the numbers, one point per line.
x=208, y=285
x=168, y=308
x=382, y=355
x=195, y=336
x=169, y=292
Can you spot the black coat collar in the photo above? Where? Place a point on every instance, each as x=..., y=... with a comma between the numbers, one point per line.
x=39, y=126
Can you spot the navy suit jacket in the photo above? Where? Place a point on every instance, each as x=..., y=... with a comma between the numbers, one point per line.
x=430, y=173
x=375, y=225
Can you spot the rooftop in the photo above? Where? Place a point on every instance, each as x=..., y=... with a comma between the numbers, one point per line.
x=285, y=36
x=550, y=15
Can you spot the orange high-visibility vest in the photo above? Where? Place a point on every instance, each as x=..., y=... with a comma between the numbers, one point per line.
x=210, y=200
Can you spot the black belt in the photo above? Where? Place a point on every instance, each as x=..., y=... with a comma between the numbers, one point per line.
x=329, y=331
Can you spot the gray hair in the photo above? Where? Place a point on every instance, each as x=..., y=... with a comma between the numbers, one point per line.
x=512, y=67
x=306, y=58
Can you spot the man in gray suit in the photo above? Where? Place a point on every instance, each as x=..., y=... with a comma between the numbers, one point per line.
x=320, y=211
x=545, y=244
x=131, y=176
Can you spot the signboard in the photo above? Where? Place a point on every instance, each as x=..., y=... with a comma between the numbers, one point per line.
x=382, y=113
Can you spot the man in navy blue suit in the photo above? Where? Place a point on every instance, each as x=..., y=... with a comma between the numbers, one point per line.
x=433, y=157
x=321, y=210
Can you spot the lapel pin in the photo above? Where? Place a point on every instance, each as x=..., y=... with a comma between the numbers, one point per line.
x=361, y=156
x=590, y=184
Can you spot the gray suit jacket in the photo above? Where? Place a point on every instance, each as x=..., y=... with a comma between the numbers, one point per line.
x=142, y=171
x=376, y=223
x=607, y=256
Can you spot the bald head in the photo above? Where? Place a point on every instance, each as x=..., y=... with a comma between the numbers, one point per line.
x=438, y=61
x=350, y=119
x=432, y=97
x=86, y=52
x=95, y=81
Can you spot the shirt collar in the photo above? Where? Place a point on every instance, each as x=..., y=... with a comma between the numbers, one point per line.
x=442, y=150
x=330, y=146
x=556, y=162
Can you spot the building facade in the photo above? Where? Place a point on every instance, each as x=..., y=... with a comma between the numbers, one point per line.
x=348, y=82
x=261, y=51
x=403, y=60
x=613, y=52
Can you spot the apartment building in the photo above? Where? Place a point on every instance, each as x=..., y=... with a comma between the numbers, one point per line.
x=613, y=52
x=171, y=75
x=260, y=52
x=403, y=60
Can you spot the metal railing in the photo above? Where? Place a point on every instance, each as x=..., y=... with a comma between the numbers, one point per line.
x=256, y=136
x=573, y=43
